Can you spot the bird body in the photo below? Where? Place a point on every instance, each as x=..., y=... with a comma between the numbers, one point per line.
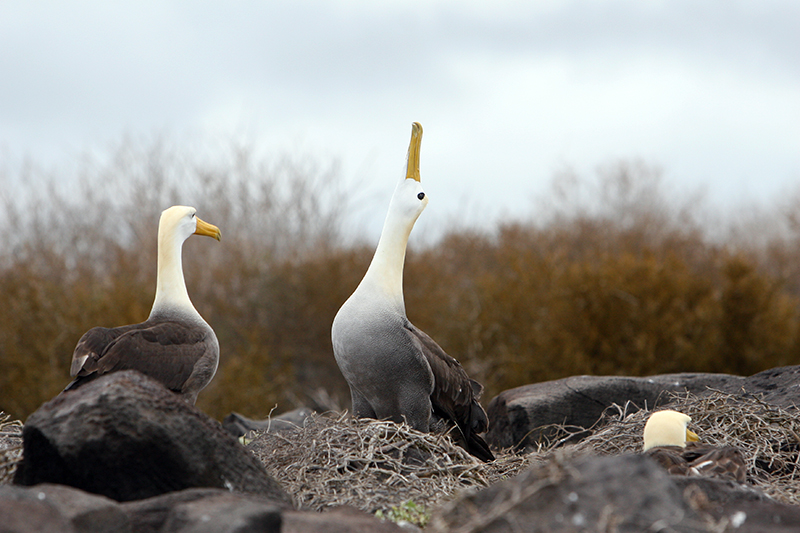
x=175, y=345
x=671, y=444
x=394, y=370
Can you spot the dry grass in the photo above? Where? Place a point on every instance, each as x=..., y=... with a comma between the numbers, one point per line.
x=769, y=436
x=10, y=447
x=379, y=465
x=335, y=459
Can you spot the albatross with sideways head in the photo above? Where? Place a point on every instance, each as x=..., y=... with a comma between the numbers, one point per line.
x=671, y=444
x=394, y=370
x=174, y=346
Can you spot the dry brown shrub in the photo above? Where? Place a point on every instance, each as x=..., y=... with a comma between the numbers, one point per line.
x=630, y=286
x=613, y=281
x=334, y=459
x=79, y=259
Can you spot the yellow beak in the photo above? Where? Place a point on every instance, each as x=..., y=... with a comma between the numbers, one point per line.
x=412, y=172
x=209, y=230
x=691, y=436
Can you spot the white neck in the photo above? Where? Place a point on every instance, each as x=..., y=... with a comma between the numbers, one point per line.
x=385, y=272
x=171, y=290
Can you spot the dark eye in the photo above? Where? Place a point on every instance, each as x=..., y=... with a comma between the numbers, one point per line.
x=421, y=195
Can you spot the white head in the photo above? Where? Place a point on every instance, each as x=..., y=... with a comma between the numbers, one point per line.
x=668, y=428
x=179, y=222
x=409, y=200
x=385, y=273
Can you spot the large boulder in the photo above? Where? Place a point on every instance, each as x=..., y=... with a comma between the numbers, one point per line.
x=126, y=437
x=338, y=520
x=204, y=510
x=61, y=509
x=217, y=511
x=47, y=506
x=23, y=510
x=625, y=493
x=523, y=417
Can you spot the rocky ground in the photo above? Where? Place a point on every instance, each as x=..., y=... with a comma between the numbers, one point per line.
x=123, y=454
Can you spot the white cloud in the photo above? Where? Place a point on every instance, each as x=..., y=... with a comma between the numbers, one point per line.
x=507, y=93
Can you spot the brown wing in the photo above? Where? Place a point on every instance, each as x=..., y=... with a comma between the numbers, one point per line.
x=166, y=350
x=455, y=396
x=725, y=463
x=670, y=458
x=699, y=459
x=92, y=345
x=695, y=450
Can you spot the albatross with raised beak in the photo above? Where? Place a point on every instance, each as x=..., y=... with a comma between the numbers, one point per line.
x=174, y=346
x=394, y=370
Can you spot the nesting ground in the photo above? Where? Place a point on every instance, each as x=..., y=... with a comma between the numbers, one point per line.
x=378, y=465
x=335, y=460
x=373, y=465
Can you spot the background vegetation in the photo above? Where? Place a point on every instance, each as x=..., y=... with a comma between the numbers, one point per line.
x=612, y=276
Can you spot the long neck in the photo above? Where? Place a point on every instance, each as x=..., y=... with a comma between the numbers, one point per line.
x=171, y=293
x=385, y=272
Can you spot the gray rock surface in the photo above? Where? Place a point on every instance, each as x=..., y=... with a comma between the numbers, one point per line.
x=169, y=468
x=518, y=418
x=626, y=493
x=238, y=425
x=336, y=520
x=61, y=509
x=86, y=512
x=183, y=508
x=24, y=510
x=126, y=437
x=224, y=513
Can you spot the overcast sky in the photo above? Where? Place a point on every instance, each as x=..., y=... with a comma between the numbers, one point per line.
x=508, y=93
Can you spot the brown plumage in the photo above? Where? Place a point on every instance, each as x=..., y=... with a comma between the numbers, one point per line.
x=698, y=459
x=669, y=442
x=174, y=346
x=455, y=396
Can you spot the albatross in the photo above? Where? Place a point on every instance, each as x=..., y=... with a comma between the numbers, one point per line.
x=394, y=370
x=671, y=444
x=174, y=346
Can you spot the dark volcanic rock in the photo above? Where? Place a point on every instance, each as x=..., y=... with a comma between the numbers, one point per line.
x=622, y=493
x=181, y=508
x=627, y=493
x=23, y=510
x=777, y=386
x=197, y=508
x=518, y=417
x=337, y=520
x=127, y=437
x=224, y=513
x=61, y=509
x=83, y=512
x=213, y=510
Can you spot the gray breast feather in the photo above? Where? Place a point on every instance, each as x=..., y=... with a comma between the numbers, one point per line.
x=375, y=353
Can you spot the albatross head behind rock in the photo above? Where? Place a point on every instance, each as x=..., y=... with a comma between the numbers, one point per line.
x=668, y=428
x=668, y=442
